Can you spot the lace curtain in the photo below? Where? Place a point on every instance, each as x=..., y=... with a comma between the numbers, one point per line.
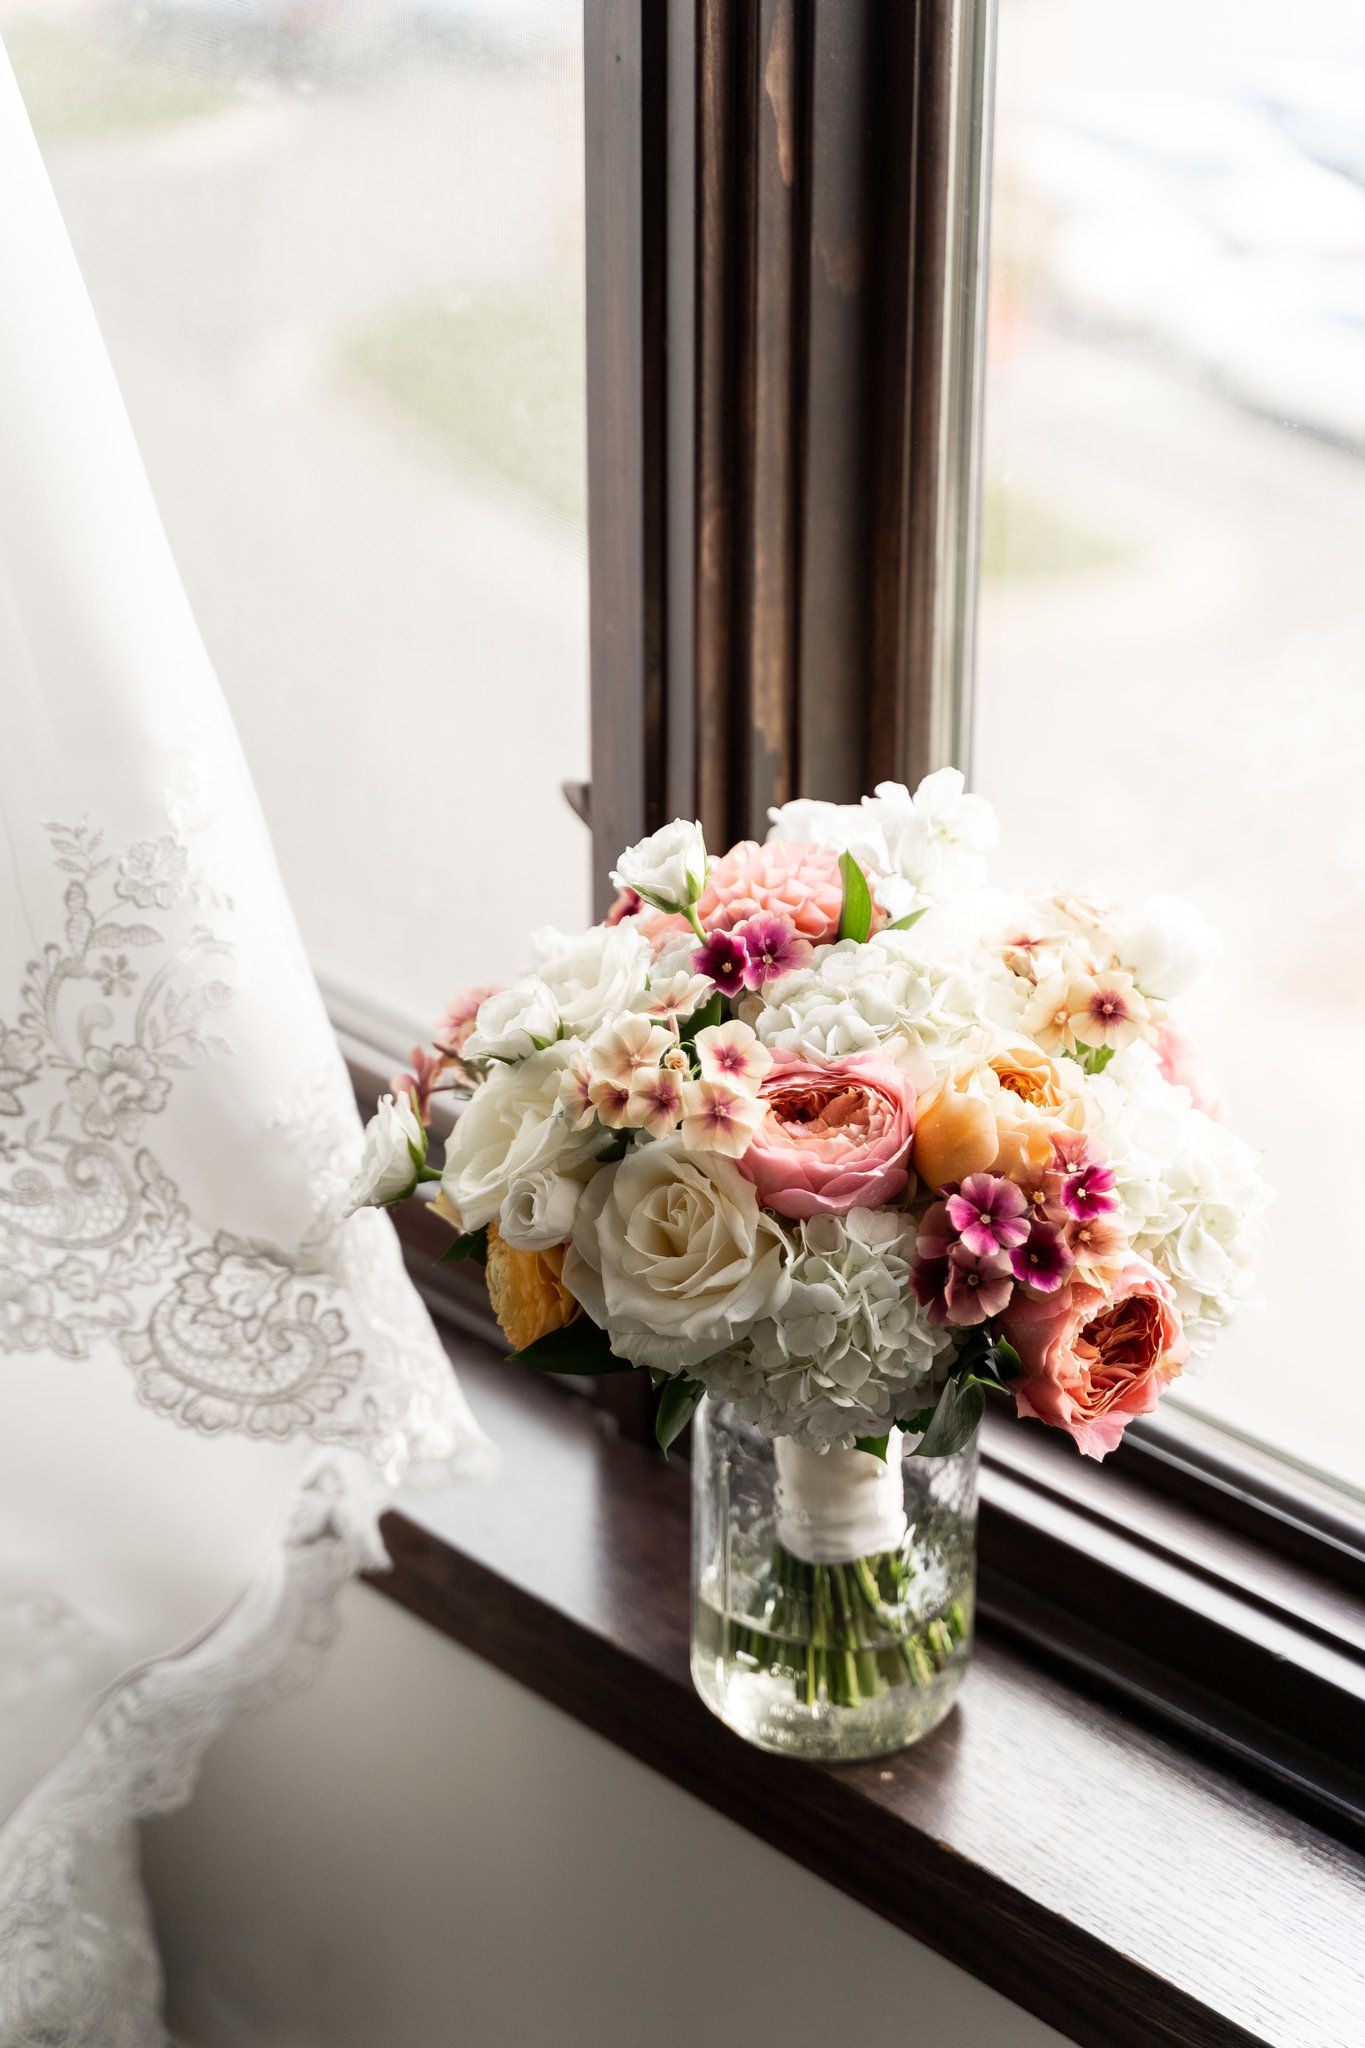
x=205, y=1371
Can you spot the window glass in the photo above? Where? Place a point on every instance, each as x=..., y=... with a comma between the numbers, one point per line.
x=1172, y=636
x=337, y=253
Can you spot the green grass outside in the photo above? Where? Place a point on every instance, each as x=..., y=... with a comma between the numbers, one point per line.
x=78, y=85
x=498, y=376
x=1021, y=538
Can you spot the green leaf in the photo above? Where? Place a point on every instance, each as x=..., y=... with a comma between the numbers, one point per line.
x=473, y=1245
x=914, y=1424
x=1009, y=1364
x=855, y=919
x=960, y=1408
x=702, y=1019
x=1094, y=1058
x=676, y=1405
x=903, y=924
x=579, y=1347
x=875, y=1446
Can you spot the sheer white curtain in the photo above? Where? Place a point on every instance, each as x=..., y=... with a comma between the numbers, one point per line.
x=205, y=1372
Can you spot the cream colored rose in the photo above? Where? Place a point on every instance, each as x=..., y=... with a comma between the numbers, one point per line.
x=515, y=1126
x=673, y=1257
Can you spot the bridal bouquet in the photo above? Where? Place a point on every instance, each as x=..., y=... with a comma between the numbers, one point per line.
x=827, y=1129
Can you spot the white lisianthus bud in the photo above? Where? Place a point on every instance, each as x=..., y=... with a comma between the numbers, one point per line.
x=514, y=1023
x=538, y=1211
x=668, y=869
x=394, y=1158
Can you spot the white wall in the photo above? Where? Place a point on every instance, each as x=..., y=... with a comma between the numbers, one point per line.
x=419, y=1852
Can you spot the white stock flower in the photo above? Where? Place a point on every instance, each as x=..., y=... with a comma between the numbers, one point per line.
x=514, y=1022
x=1191, y=1192
x=849, y=1350
x=395, y=1152
x=538, y=1210
x=1167, y=945
x=592, y=976
x=668, y=869
x=514, y=1125
x=673, y=1257
x=914, y=849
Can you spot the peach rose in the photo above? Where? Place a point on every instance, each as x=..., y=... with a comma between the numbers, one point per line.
x=836, y=1137
x=527, y=1291
x=788, y=879
x=1092, y=1361
x=998, y=1115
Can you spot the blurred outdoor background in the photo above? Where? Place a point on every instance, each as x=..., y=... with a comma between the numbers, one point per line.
x=337, y=250
x=1171, y=680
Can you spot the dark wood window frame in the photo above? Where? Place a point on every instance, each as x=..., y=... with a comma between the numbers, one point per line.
x=786, y=236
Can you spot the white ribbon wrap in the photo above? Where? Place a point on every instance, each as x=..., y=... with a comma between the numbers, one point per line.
x=834, y=1506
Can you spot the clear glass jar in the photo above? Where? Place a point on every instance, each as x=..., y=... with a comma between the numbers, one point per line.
x=831, y=1600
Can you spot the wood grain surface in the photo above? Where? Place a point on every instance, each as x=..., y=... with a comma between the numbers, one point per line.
x=1123, y=1890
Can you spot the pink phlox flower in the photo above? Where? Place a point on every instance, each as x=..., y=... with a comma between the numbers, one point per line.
x=626, y=903
x=456, y=1022
x=977, y=1287
x=774, y=946
x=989, y=1214
x=724, y=959
x=1042, y=1261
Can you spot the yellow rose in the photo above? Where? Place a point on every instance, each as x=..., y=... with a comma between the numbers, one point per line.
x=527, y=1291
x=997, y=1115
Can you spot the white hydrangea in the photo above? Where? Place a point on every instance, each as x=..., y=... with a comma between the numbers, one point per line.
x=1192, y=1192
x=849, y=1350
x=902, y=993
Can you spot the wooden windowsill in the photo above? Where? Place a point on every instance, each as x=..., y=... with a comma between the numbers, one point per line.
x=1117, y=1886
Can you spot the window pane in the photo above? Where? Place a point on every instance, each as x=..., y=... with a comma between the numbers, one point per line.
x=1172, y=629
x=337, y=252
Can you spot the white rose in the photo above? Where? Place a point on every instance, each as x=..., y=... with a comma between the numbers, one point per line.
x=592, y=976
x=514, y=1126
x=538, y=1210
x=673, y=1257
x=395, y=1153
x=514, y=1023
x=668, y=869
x=1167, y=946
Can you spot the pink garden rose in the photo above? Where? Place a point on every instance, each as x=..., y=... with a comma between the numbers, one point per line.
x=787, y=879
x=1182, y=1064
x=836, y=1137
x=1092, y=1361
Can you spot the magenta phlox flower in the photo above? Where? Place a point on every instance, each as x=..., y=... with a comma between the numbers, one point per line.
x=977, y=1287
x=774, y=946
x=1089, y=1193
x=989, y=1214
x=725, y=960
x=1042, y=1262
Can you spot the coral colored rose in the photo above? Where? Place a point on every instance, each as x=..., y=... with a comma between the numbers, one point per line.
x=527, y=1291
x=836, y=1137
x=998, y=1115
x=785, y=880
x=1092, y=1361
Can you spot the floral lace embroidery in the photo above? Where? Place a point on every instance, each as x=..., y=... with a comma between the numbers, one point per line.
x=96, y=1238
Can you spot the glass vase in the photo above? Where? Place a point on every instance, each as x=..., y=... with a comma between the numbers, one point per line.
x=832, y=1593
